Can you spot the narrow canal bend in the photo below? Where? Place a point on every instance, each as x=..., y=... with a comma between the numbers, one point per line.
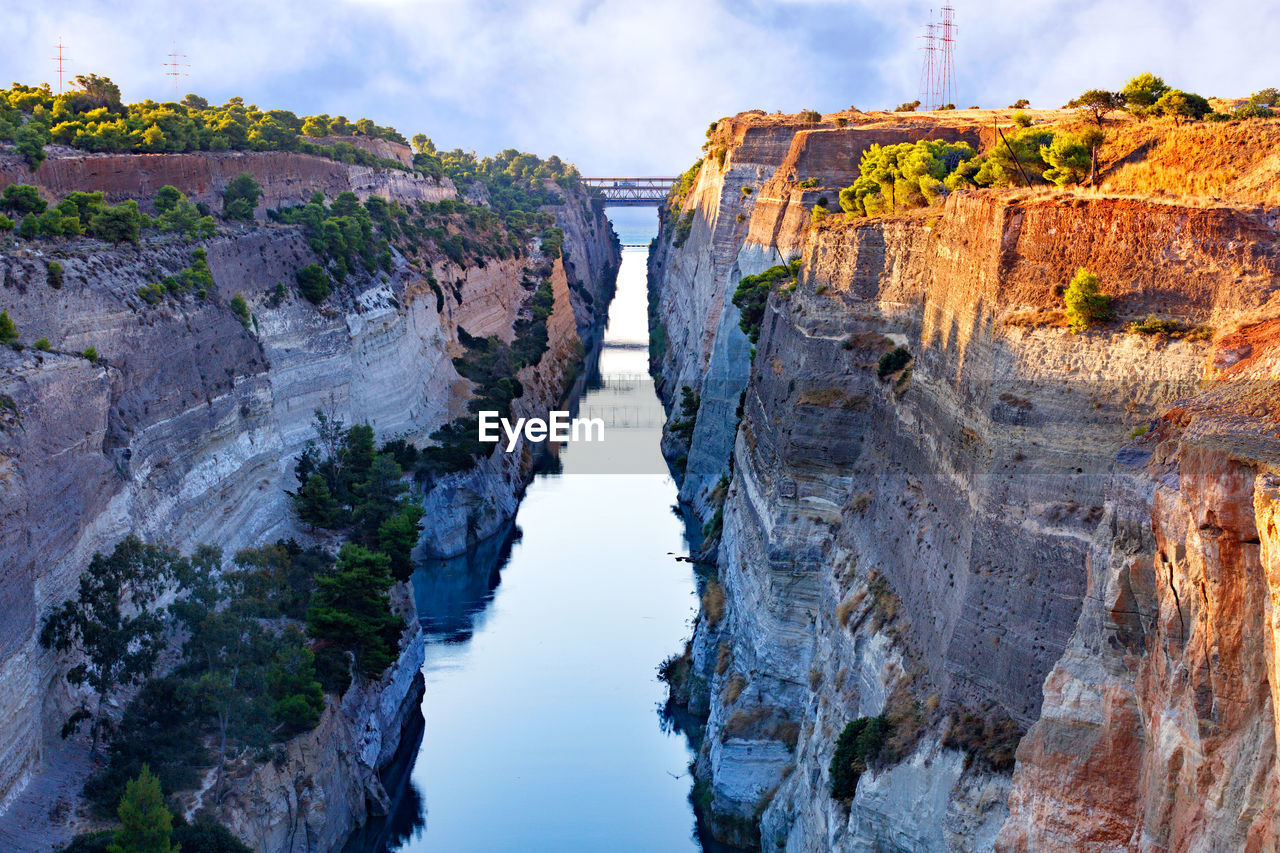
x=542, y=729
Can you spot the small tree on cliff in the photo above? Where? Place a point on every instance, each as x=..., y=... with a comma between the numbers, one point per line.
x=352, y=610
x=1098, y=102
x=113, y=625
x=241, y=197
x=8, y=330
x=1086, y=303
x=146, y=825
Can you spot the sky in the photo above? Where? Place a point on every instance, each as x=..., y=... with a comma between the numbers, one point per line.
x=628, y=86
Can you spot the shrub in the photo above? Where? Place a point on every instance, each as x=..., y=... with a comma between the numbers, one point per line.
x=1097, y=102
x=351, y=609
x=151, y=293
x=241, y=309
x=893, y=361
x=752, y=294
x=811, y=116
x=6, y=224
x=990, y=743
x=117, y=223
x=683, y=228
x=313, y=283
x=818, y=213
x=1085, y=302
x=165, y=198
x=8, y=329
x=860, y=744
x=1153, y=325
x=1021, y=119
x=90, y=353
x=808, y=183
x=907, y=108
x=42, y=345
x=1245, y=111
x=909, y=174
x=22, y=199
x=1181, y=106
x=1020, y=104
x=241, y=197
x=1143, y=91
x=53, y=272
x=205, y=836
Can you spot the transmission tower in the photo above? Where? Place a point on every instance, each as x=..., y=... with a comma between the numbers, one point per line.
x=929, y=71
x=946, y=65
x=175, y=65
x=61, y=59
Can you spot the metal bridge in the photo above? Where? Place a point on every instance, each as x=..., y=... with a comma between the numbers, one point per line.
x=632, y=192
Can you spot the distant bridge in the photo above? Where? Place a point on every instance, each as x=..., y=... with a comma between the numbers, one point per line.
x=632, y=192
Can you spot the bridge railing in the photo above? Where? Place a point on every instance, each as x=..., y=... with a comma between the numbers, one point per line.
x=632, y=191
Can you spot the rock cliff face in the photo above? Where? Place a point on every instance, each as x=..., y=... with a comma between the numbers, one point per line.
x=919, y=545
x=186, y=428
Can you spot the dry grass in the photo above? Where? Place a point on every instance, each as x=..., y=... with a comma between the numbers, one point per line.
x=1038, y=319
x=1235, y=161
x=762, y=723
x=733, y=689
x=713, y=602
x=724, y=658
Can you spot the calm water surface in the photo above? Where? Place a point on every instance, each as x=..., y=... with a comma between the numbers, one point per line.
x=542, y=728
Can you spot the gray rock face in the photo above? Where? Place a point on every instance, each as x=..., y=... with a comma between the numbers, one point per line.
x=919, y=539
x=187, y=427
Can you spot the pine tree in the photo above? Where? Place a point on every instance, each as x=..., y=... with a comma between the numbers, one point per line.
x=8, y=331
x=146, y=825
x=316, y=505
x=351, y=609
x=1086, y=303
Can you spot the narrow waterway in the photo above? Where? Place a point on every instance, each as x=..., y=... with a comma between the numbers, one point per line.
x=541, y=715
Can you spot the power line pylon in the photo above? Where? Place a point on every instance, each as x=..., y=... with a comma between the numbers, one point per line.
x=946, y=66
x=61, y=59
x=929, y=69
x=175, y=72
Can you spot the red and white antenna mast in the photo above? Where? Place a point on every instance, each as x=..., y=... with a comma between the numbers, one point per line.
x=61, y=59
x=175, y=65
x=946, y=67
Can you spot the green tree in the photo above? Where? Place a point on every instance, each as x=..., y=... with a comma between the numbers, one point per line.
x=859, y=745
x=22, y=199
x=352, y=610
x=313, y=283
x=117, y=223
x=90, y=353
x=397, y=537
x=241, y=309
x=1085, y=301
x=1181, y=106
x=165, y=198
x=6, y=224
x=316, y=504
x=240, y=197
x=8, y=329
x=1097, y=102
x=1269, y=97
x=1068, y=157
x=298, y=696
x=146, y=825
x=1142, y=92
x=53, y=273
x=114, y=624
x=1020, y=104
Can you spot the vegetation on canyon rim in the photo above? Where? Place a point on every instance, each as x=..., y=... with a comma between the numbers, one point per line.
x=267, y=634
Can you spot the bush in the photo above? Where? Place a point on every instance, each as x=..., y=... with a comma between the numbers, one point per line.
x=117, y=223
x=240, y=197
x=151, y=293
x=1142, y=92
x=8, y=329
x=165, y=198
x=90, y=353
x=752, y=294
x=1020, y=104
x=313, y=283
x=206, y=836
x=1021, y=119
x=1085, y=302
x=1182, y=105
x=818, y=213
x=42, y=345
x=241, y=309
x=907, y=108
x=811, y=116
x=859, y=746
x=6, y=224
x=22, y=199
x=53, y=271
x=893, y=361
x=1153, y=325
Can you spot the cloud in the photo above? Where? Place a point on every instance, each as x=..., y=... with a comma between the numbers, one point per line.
x=629, y=85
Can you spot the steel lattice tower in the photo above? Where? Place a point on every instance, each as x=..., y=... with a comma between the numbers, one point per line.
x=175, y=72
x=61, y=59
x=929, y=70
x=946, y=65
